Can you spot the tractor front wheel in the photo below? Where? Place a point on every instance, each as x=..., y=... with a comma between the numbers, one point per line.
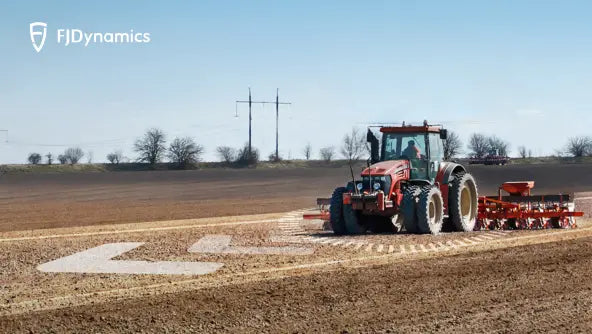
x=354, y=223
x=336, y=211
x=408, y=208
x=430, y=210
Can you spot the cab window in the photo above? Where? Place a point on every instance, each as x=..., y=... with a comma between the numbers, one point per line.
x=436, y=147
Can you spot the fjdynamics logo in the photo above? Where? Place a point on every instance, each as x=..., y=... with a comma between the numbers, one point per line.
x=34, y=32
x=67, y=37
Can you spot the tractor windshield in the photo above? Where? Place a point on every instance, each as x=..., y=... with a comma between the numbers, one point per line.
x=403, y=146
x=410, y=146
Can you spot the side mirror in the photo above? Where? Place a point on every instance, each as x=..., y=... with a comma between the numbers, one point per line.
x=371, y=138
x=443, y=134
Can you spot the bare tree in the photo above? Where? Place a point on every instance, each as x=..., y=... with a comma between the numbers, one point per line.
x=478, y=145
x=62, y=159
x=34, y=158
x=327, y=153
x=184, y=151
x=273, y=158
x=452, y=145
x=247, y=157
x=501, y=146
x=73, y=155
x=151, y=147
x=115, y=157
x=530, y=153
x=579, y=146
x=49, y=157
x=226, y=154
x=523, y=152
x=90, y=155
x=307, y=151
x=353, y=145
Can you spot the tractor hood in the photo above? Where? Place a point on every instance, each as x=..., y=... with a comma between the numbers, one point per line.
x=386, y=168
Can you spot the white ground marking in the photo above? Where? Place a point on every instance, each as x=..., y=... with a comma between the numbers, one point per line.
x=391, y=249
x=423, y=248
x=380, y=248
x=369, y=248
x=451, y=244
x=582, y=198
x=469, y=240
x=359, y=245
x=69, y=300
x=287, y=238
x=402, y=248
x=432, y=247
x=98, y=260
x=413, y=250
x=461, y=243
x=442, y=246
x=220, y=244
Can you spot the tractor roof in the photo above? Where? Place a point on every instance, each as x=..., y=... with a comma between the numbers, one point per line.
x=411, y=129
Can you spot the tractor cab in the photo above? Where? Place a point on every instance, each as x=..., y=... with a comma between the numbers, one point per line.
x=420, y=145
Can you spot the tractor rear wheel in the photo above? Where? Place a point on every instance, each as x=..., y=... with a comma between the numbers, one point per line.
x=408, y=210
x=336, y=211
x=462, y=202
x=430, y=210
x=354, y=223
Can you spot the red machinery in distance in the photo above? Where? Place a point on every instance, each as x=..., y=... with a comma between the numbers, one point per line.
x=519, y=209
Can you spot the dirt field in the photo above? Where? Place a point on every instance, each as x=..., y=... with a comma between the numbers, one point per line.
x=276, y=272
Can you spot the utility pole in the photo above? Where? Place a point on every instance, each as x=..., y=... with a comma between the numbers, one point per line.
x=277, y=115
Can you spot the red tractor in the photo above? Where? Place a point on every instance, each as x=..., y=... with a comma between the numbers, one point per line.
x=407, y=184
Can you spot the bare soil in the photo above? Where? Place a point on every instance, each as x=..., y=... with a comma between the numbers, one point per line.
x=527, y=281
x=534, y=288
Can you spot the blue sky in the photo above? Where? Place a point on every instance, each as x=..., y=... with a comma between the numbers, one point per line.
x=519, y=69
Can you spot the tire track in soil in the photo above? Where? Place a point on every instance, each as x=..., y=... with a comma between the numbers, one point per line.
x=293, y=230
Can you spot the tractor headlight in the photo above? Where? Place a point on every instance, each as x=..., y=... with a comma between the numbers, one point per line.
x=377, y=186
x=360, y=186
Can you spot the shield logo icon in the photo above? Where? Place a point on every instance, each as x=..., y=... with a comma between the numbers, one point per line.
x=38, y=33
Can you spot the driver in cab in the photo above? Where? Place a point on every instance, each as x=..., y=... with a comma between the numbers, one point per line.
x=411, y=151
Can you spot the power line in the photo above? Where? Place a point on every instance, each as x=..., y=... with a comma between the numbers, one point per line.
x=277, y=116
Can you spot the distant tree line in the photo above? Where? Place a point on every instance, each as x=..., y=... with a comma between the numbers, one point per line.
x=152, y=148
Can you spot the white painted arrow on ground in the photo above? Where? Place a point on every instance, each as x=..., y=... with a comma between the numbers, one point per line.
x=220, y=244
x=98, y=260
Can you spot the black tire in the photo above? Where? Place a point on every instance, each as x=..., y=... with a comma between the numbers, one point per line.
x=336, y=212
x=430, y=210
x=463, y=202
x=354, y=224
x=512, y=224
x=380, y=224
x=408, y=210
